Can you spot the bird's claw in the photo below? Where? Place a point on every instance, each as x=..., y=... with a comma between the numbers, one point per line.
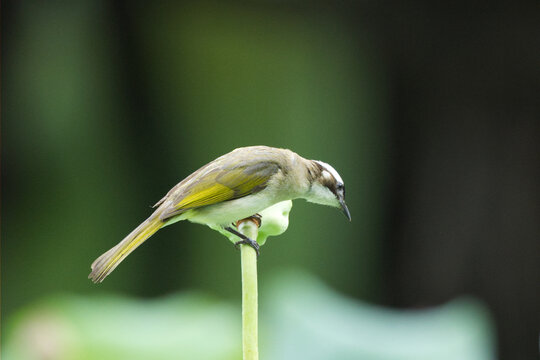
x=257, y=219
x=249, y=242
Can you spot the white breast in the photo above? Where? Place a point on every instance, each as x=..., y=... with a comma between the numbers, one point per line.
x=228, y=212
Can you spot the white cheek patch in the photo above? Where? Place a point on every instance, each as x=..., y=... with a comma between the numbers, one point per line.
x=329, y=169
x=321, y=195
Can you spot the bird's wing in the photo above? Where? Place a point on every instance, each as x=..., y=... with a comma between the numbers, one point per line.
x=222, y=183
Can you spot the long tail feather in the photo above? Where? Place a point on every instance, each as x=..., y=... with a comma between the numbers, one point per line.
x=107, y=262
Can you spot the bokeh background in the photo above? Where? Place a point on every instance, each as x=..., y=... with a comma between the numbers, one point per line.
x=429, y=111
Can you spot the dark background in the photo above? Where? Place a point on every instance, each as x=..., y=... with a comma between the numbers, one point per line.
x=430, y=112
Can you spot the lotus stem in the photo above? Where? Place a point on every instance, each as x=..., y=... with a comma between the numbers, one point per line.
x=250, y=347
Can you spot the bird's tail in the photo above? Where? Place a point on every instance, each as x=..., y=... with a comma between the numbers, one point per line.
x=107, y=262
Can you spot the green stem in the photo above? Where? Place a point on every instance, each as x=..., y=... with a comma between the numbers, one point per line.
x=250, y=347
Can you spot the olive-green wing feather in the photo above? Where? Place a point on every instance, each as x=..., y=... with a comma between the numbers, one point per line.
x=220, y=184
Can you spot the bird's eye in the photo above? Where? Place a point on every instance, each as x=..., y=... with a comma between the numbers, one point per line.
x=340, y=187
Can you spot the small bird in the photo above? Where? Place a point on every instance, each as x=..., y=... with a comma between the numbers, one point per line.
x=234, y=186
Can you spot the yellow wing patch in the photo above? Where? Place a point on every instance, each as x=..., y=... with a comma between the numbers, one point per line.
x=214, y=194
x=221, y=185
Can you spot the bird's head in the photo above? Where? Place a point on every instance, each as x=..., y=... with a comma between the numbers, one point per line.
x=326, y=187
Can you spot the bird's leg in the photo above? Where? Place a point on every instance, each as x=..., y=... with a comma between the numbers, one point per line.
x=245, y=240
x=257, y=219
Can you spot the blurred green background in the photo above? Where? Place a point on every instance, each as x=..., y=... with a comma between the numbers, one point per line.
x=428, y=112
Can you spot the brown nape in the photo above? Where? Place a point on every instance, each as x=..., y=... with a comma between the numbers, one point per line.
x=314, y=170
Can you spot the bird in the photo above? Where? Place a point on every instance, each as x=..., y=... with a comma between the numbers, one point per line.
x=232, y=187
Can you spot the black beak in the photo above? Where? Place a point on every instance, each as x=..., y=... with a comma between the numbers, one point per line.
x=344, y=209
